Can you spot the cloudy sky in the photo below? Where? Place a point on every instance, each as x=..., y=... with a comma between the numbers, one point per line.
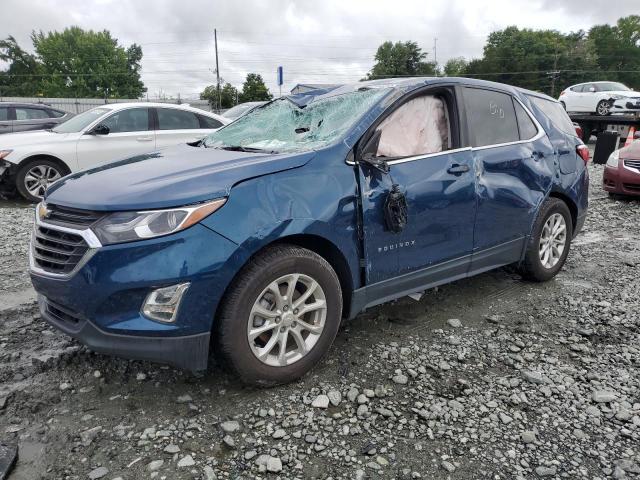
x=327, y=41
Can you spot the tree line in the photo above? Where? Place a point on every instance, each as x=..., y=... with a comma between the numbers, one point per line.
x=74, y=62
x=542, y=60
x=85, y=63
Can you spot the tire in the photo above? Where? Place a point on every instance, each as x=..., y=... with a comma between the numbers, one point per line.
x=532, y=266
x=50, y=171
x=249, y=291
x=603, y=108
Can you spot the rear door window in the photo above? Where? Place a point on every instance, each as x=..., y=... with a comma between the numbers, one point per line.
x=174, y=119
x=491, y=117
x=27, y=113
x=577, y=88
x=4, y=114
x=554, y=111
x=130, y=120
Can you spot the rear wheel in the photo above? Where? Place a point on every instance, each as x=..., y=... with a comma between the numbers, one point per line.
x=280, y=316
x=36, y=175
x=549, y=243
x=603, y=108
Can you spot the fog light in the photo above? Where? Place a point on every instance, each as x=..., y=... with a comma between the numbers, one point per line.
x=162, y=304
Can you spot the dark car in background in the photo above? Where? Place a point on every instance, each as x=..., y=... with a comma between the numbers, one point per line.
x=22, y=117
x=260, y=239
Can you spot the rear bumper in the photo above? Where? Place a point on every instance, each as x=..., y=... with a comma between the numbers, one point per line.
x=621, y=180
x=189, y=352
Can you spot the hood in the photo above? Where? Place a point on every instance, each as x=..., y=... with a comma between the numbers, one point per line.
x=172, y=177
x=623, y=93
x=35, y=137
x=632, y=152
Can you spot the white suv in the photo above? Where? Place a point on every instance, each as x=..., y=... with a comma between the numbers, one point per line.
x=31, y=161
x=594, y=97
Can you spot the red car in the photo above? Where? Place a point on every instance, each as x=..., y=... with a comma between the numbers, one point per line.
x=622, y=171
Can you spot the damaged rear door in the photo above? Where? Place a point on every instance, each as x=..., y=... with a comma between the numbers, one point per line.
x=512, y=174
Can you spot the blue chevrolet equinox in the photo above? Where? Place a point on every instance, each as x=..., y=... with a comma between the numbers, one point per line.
x=256, y=242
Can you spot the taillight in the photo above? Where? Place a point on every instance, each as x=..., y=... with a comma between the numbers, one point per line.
x=562, y=92
x=583, y=153
x=578, y=130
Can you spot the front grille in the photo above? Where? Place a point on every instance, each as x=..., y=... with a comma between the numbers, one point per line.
x=632, y=164
x=62, y=314
x=55, y=251
x=632, y=186
x=71, y=217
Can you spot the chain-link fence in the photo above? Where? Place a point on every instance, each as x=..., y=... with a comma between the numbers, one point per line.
x=79, y=105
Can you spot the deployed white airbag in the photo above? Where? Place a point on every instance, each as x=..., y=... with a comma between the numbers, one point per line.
x=418, y=127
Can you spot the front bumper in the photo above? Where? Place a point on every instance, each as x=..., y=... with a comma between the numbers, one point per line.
x=626, y=105
x=100, y=302
x=188, y=352
x=7, y=174
x=621, y=180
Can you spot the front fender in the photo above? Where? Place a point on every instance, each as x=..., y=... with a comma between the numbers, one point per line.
x=318, y=199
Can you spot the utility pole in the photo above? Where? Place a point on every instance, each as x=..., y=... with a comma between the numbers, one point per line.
x=215, y=38
x=435, y=49
x=555, y=73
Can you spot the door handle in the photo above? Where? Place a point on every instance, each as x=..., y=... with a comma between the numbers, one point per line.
x=144, y=139
x=457, y=169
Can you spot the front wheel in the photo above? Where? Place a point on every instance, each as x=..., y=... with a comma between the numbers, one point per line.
x=280, y=316
x=35, y=176
x=603, y=108
x=549, y=243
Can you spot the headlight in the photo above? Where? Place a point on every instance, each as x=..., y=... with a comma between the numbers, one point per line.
x=617, y=97
x=613, y=159
x=4, y=153
x=130, y=226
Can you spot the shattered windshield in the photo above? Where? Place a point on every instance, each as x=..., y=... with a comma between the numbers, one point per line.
x=283, y=126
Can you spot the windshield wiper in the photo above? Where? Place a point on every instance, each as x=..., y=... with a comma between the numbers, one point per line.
x=240, y=148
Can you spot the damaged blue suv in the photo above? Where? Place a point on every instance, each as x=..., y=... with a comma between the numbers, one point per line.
x=256, y=242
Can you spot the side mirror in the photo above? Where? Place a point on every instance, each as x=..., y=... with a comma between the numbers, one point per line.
x=592, y=89
x=370, y=149
x=100, y=129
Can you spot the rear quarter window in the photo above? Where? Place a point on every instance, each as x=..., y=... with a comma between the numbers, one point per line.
x=556, y=114
x=208, y=122
x=527, y=128
x=55, y=113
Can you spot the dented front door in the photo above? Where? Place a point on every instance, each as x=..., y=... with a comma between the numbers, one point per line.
x=440, y=194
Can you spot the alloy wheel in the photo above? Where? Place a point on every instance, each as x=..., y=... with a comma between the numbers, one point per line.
x=603, y=108
x=39, y=177
x=553, y=240
x=287, y=320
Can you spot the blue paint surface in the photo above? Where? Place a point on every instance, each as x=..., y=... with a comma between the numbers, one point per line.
x=317, y=196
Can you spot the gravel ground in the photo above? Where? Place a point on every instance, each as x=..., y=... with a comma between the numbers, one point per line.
x=489, y=377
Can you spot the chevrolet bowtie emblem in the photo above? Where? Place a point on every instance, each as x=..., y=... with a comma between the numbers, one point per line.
x=43, y=211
